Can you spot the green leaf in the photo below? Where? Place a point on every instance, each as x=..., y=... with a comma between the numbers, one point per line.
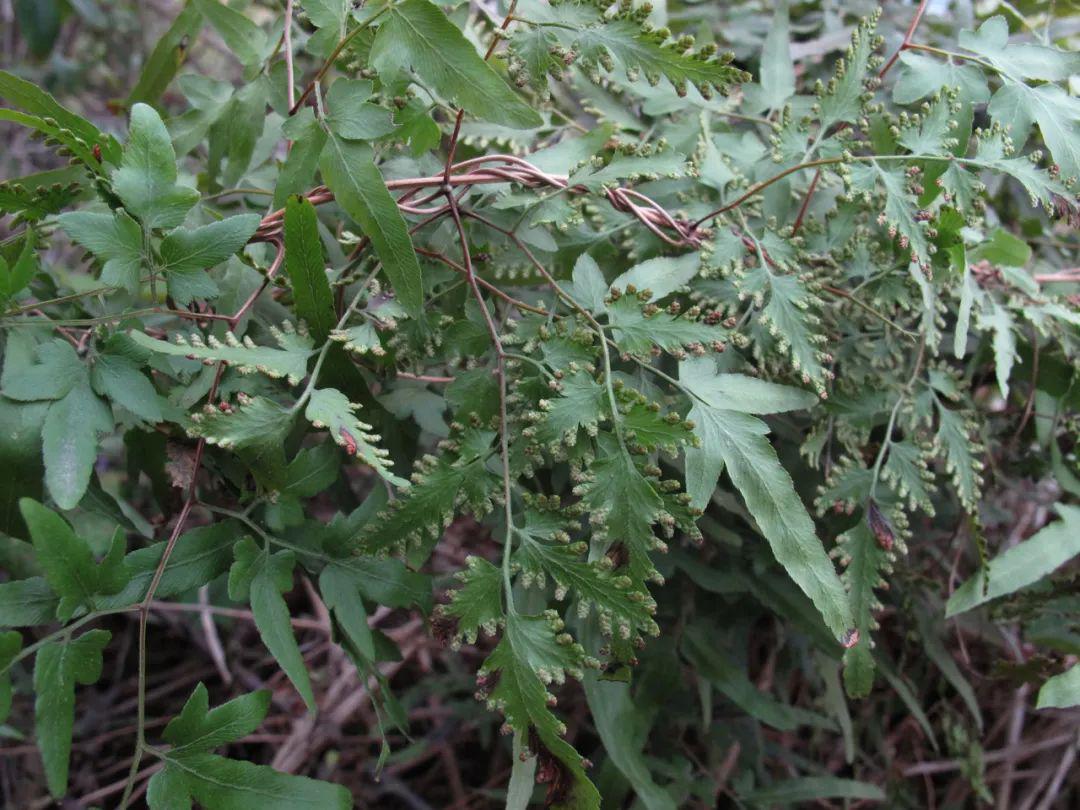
x=168, y=55
x=635, y=167
x=731, y=680
x=582, y=403
x=192, y=773
x=529, y=656
x=843, y=98
x=1061, y=691
x=812, y=789
x=306, y=268
x=39, y=372
x=440, y=488
x=328, y=13
x=146, y=179
x=185, y=249
x=340, y=591
x=636, y=332
x=289, y=361
x=27, y=602
x=10, y=645
x=59, y=666
x=256, y=429
x=623, y=729
x=790, y=314
x=589, y=287
x=27, y=96
x=245, y=39
x=737, y=441
x=35, y=196
x=661, y=276
x=198, y=728
x=68, y=562
x=417, y=34
x=119, y=379
x=16, y=276
x=921, y=75
x=999, y=320
x=352, y=116
x=227, y=784
x=39, y=24
x=1018, y=60
x=262, y=578
x=777, y=68
x=70, y=443
x=1023, y=564
x=738, y=392
x=198, y=557
x=864, y=560
x=116, y=239
x=20, y=452
x=475, y=601
x=622, y=40
x=359, y=188
x=329, y=408
x=309, y=139
x=313, y=470
x=388, y=582
x=624, y=504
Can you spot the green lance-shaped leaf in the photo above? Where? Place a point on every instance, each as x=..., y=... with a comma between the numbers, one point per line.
x=68, y=563
x=350, y=172
x=1023, y=564
x=306, y=268
x=58, y=667
x=261, y=578
x=417, y=34
x=735, y=440
x=146, y=179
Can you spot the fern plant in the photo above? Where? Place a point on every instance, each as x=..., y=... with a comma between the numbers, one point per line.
x=324, y=284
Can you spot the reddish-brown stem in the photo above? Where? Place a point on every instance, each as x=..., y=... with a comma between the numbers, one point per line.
x=806, y=202
x=907, y=38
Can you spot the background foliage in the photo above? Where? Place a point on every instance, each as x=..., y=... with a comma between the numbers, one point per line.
x=583, y=405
